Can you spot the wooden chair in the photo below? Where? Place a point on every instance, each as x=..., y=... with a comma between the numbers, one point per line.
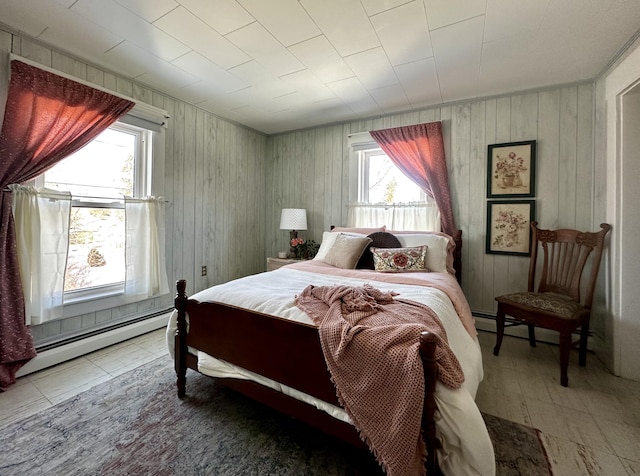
x=556, y=304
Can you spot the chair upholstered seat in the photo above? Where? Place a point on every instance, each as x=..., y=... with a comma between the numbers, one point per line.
x=559, y=304
x=556, y=302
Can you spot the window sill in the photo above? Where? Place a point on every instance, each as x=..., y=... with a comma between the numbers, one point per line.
x=96, y=301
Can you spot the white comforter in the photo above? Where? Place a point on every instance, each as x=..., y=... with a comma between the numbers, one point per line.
x=467, y=449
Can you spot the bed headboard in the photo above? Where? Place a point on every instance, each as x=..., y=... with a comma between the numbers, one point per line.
x=457, y=254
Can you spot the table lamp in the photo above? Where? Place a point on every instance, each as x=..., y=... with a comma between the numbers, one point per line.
x=293, y=219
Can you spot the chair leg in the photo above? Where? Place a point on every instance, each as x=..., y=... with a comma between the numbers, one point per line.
x=499, y=329
x=532, y=335
x=565, y=350
x=584, y=336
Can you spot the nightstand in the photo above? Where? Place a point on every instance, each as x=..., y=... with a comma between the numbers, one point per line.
x=275, y=263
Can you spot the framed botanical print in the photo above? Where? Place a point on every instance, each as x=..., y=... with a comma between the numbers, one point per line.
x=509, y=226
x=511, y=169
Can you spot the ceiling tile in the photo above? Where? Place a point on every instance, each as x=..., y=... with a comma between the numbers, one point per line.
x=345, y=24
x=140, y=64
x=308, y=85
x=122, y=22
x=17, y=13
x=218, y=105
x=149, y=10
x=197, y=35
x=65, y=3
x=457, y=50
x=391, y=98
x=262, y=93
x=65, y=27
x=500, y=14
x=124, y=58
x=395, y=26
x=419, y=81
x=285, y=19
x=96, y=39
x=588, y=19
x=526, y=68
x=372, y=68
x=287, y=102
x=447, y=12
x=332, y=110
x=224, y=16
x=164, y=76
x=258, y=43
x=253, y=73
x=322, y=59
x=355, y=96
x=195, y=93
x=376, y=6
x=220, y=80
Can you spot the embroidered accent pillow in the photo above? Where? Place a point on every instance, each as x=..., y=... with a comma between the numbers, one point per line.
x=400, y=259
x=380, y=239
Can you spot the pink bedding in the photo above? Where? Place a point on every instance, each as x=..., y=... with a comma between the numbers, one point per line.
x=443, y=281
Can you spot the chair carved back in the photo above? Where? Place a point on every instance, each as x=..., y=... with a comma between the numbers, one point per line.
x=564, y=255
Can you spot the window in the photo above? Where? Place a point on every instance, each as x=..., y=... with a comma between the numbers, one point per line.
x=381, y=194
x=114, y=164
x=380, y=181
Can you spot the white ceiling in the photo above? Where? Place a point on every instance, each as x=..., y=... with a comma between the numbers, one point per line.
x=279, y=65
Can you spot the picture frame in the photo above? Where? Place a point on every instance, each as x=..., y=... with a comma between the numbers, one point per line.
x=511, y=169
x=509, y=226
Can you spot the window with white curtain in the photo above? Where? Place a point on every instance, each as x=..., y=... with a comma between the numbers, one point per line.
x=98, y=176
x=382, y=194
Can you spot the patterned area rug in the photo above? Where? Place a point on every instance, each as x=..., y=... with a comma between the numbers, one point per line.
x=135, y=425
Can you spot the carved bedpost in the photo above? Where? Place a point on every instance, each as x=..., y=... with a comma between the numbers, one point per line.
x=427, y=354
x=181, y=338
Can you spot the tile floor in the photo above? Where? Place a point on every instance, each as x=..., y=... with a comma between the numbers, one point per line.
x=40, y=390
x=590, y=428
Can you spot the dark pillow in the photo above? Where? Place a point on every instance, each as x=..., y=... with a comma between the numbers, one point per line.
x=379, y=239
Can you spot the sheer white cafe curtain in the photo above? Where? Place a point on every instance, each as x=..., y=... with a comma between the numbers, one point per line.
x=146, y=271
x=42, y=229
x=423, y=216
x=42, y=220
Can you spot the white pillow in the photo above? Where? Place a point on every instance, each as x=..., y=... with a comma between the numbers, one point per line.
x=437, y=253
x=328, y=240
x=347, y=250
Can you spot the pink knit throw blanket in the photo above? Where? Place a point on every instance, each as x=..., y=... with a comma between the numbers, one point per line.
x=371, y=344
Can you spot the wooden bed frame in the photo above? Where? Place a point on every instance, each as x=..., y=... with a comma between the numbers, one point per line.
x=285, y=351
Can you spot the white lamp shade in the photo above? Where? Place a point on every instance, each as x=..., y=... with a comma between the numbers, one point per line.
x=293, y=219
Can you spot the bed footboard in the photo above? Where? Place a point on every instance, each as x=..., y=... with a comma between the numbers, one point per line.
x=287, y=352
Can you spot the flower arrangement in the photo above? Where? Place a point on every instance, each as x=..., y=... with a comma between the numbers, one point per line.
x=509, y=223
x=301, y=249
x=508, y=170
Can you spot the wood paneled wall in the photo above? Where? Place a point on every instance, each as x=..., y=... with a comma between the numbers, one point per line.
x=309, y=169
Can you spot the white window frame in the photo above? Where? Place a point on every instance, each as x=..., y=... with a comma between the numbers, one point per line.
x=364, y=159
x=148, y=172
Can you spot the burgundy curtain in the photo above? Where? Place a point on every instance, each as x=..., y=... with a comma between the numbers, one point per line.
x=418, y=151
x=47, y=118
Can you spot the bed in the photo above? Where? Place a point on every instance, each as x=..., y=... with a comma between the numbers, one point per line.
x=250, y=334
